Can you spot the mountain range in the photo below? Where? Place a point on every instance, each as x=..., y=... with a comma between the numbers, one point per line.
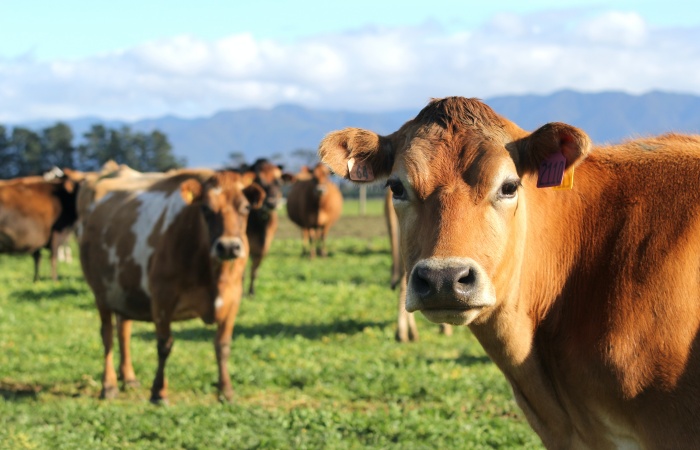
x=605, y=116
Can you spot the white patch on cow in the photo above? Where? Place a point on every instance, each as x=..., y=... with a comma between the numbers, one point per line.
x=218, y=303
x=152, y=206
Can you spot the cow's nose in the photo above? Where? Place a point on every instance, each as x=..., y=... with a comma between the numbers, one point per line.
x=227, y=249
x=456, y=282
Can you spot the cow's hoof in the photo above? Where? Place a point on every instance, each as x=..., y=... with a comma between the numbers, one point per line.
x=159, y=401
x=108, y=393
x=132, y=384
x=226, y=396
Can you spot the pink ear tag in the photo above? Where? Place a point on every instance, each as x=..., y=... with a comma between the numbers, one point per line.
x=359, y=170
x=551, y=172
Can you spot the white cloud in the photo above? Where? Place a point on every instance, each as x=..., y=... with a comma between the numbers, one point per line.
x=367, y=69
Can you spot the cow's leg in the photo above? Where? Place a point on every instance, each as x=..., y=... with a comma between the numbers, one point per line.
x=222, y=346
x=312, y=242
x=255, y=263
x=126, y=369
x=406, y=329
x=159, y=390
x=109, y=376
x=53, y=248
x=321, y=234
x=446, y=329
x=305, y=241
x=37, y=260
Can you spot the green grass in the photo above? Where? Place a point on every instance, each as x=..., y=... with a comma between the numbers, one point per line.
x=313, y=362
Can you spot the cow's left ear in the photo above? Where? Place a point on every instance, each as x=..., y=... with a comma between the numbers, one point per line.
x=255, y=195
x=247, y=178
x=191, y=190
x=555, y=137
x=357, y=154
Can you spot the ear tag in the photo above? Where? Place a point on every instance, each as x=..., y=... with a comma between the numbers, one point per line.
x=551, y=172
x=568, y=182
x=189, y=196
x=359, y=171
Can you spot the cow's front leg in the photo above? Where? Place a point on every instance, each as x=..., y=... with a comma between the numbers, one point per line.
x=126, y=368
x=109, y=376
x=222, y=346
x=159, y=394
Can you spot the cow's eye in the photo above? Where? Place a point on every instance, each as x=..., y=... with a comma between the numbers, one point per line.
x=509, y=188
x=397, y=189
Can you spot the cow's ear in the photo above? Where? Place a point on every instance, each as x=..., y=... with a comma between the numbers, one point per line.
x=191, y=190
x=69, y=185
x=255, y=195
x=554, y=138
x=288, y=177
x=247, y=178
x=357, y=154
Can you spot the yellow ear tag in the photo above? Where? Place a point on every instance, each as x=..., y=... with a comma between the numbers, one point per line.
x=189, y=196
x=568, y=181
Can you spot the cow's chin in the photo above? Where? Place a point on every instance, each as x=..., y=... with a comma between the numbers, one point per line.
x=452, y=316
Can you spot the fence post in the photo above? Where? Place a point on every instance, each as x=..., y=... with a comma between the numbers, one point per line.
x=363, y=199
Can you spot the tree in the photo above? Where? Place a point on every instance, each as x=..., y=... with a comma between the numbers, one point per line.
x=26, y=151
x=57, y=146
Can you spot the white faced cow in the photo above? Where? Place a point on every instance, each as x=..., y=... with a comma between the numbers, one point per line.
x=588, y=299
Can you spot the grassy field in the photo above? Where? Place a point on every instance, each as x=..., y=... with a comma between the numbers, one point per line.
x=313, y=360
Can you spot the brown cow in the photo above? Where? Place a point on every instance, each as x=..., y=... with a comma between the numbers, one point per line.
x=171, y=249
x=406, y=329
x=262, y=222
x=314, y=204
x=36, y=214
x=587, y=299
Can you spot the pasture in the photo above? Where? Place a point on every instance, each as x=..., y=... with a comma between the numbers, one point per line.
x=314, y=364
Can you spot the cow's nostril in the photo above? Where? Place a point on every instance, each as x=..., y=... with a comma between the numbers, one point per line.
x=421, y=281
x=220, y=249
x=467, y=277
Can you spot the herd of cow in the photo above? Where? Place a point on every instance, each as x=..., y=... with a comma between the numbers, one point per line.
x=586, y=295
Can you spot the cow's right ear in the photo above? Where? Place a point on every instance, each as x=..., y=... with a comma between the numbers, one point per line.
x=357, y=154
x=191, y=190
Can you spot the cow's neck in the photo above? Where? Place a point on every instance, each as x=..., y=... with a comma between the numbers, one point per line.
x=531, y=305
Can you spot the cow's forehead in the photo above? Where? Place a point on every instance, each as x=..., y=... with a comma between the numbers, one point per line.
x=429, y=157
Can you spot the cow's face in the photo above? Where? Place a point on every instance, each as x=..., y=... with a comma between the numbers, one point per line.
x=225, y=202
x=269, y=177
x=456, y=173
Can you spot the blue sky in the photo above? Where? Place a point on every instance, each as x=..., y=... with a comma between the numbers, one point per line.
x=136, y=59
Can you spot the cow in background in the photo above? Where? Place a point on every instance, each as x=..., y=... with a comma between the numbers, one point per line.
x=36, y=214
x=263, y=222
x=406, y=329
x=576, y=268
x=314, y=203
x=165, y=249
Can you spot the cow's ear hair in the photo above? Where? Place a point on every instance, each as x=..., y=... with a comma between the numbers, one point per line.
x=255, y=195
x=247, y=178
x=191, y=190
x=551, y=138
x=360, y=147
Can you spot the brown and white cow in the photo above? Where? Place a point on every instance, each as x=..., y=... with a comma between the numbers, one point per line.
x=36, y=214
x=171, y=248
x=314, y=204
x=587, y=299
x=406, y=329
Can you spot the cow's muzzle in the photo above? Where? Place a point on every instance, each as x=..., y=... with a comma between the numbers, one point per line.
x=228, y=248
x=449, y=290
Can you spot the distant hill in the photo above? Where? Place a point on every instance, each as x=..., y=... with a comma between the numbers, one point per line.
x=606, y=117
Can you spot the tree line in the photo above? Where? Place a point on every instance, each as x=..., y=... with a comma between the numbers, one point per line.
x=27, y=152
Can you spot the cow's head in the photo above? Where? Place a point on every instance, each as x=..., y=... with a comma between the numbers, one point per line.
x=270, y=177
x=459, y=174
x=225, y=201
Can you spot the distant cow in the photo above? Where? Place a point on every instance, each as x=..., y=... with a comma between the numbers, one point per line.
x=36, y=214
x=406, y=329
x=171, y=248
x=583, y=287
x=314, y=203
x=262, y=222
